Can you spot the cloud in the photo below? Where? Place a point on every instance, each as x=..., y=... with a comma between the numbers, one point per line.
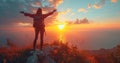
x=36, y=4
x=82, y=10
x=99, y=4
x=82, y=21
x=102, y=2
x=55, y=3
x=89, y=5
x=114, y=1
x=79, y=21
x=96, y=6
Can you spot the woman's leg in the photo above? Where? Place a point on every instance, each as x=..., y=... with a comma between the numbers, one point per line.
x=41, y=38
x=36, y=37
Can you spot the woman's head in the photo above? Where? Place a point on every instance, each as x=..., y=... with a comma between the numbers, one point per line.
x=39, y=11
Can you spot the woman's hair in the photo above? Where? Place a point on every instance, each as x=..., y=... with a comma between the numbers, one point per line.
x=39, y=11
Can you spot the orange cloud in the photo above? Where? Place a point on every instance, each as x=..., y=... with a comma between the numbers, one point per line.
x=56, y=3
x=82, y=10
x=36, y=4
x=114, y=1
x=97, y=6
x=89, y=5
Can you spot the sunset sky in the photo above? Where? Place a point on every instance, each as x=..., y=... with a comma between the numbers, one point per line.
x=96, y=11
x=102, y=26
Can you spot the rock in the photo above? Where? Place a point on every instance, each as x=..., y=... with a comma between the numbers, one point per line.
x=40, y=56
x=32, y=59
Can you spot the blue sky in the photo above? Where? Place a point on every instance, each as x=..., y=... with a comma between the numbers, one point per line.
x=109, y=10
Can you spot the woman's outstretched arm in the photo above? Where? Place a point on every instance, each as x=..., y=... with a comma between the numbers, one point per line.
x=48, y=14
x=27, y=14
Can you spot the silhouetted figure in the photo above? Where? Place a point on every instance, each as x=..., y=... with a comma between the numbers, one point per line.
x=38, y=25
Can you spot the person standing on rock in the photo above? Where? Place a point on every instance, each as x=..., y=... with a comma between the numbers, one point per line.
x=38, y=24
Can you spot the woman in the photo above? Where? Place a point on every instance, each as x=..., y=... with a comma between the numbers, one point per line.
x=38, y=24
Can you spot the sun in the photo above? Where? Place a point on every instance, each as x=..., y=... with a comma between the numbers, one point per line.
x=61, y=26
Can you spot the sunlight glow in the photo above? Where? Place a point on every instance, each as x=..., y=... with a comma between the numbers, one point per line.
x=62, y=39
x=61, y=26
